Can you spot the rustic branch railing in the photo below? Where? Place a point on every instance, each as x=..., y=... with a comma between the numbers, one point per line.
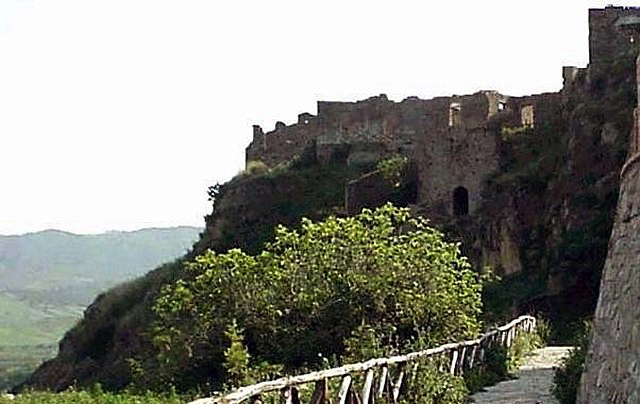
x=463, y=355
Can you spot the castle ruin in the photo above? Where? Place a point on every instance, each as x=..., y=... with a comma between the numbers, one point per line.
x=449, y=139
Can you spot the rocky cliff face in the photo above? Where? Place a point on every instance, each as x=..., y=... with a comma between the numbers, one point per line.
x=613, y=361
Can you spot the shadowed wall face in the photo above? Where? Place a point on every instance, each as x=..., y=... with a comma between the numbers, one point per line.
x=612, y=369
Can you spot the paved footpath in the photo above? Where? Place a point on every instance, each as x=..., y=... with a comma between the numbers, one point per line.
x=533, y=381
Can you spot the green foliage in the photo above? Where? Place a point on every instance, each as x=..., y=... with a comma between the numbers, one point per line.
x=255, y=167
x=383, y=278
x=566, y=378
x=363, y=344
x=432, y=386
x=236, y=357
x=522, y=345
x=393, y=169
x=510, y=132
x=94, y=395
x=213, y=193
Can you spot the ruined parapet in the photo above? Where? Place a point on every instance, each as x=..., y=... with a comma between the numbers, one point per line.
x=284, y=142
x=569, y=74
x=533, y=110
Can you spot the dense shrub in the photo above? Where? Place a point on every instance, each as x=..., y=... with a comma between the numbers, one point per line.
x=433, y=386
x=382, y=275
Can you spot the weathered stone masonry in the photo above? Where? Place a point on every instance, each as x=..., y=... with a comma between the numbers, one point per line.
x=613, y=362
x=612, y=371
x=447, y=137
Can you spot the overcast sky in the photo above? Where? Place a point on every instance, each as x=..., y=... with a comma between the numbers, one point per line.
x=117, y=114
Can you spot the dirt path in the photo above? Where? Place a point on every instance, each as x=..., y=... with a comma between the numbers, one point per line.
x=532, y=384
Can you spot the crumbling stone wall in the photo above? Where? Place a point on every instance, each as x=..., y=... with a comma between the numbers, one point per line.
x=612, y=370
x=284, y=142
x=445, y=132
x=456, y=154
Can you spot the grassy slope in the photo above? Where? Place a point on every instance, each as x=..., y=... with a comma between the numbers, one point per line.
x=48, y=278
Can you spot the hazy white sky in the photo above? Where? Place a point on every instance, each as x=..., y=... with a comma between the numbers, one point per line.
x=117, y=114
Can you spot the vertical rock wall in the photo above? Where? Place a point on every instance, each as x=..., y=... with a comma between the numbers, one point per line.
x=612, y=372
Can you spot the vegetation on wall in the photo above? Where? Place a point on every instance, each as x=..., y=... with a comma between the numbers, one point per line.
x=555, y=195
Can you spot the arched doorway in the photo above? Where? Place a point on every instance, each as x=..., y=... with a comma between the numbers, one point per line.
x=460, y=201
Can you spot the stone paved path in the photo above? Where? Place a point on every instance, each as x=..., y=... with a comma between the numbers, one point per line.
x=532, y=384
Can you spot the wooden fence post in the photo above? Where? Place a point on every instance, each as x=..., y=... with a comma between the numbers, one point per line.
x=289, y=395
x=321, y=392
x=398, y=384
x=344, y=390
x=454, y=358
x=367, y=390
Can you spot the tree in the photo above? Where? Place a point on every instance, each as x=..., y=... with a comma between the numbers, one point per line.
x=311, y=290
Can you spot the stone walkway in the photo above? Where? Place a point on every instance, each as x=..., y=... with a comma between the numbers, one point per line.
x=532, y=384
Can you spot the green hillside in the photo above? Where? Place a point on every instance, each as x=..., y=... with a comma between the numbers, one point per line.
x=48, y=278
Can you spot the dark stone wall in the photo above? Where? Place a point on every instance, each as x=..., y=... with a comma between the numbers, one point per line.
x=612, y=31
x=612, y=369
x=612, y=373
x=455, y=156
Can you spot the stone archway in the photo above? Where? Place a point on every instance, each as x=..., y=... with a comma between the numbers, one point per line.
x=460, y=201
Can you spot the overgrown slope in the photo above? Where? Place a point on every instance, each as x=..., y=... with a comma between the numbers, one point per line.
x=246, y=210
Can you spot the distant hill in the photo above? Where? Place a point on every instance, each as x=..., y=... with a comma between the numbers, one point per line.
x=48, y=278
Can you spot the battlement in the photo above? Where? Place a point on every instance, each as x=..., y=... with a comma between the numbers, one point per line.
x=374, y=127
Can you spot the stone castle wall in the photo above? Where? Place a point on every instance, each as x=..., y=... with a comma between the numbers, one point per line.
x=611, y=30
x=447, y=137
x=612, y=374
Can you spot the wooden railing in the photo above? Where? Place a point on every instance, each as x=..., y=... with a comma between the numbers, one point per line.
x=461, y=357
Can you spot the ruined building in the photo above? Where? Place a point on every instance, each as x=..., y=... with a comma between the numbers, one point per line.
x=447, y=138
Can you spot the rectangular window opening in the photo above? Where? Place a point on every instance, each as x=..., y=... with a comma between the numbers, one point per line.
x=455, y=115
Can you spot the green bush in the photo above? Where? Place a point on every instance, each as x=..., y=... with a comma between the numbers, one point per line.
x=432, y=386
x=393, y=169
x=566, y=378
x=382, y=277
x=522, y=345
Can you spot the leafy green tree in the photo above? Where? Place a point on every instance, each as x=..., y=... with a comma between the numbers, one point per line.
x=382, y=275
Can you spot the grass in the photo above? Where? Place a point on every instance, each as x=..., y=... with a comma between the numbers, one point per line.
x=93, y=396
x=17, y=362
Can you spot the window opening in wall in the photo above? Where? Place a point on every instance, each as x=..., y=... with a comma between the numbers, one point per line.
x=455, y=117
x=526, y=115
x=460, y=201
x=501, y=106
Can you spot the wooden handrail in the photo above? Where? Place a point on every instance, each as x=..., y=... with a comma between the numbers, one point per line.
x=505, y=334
